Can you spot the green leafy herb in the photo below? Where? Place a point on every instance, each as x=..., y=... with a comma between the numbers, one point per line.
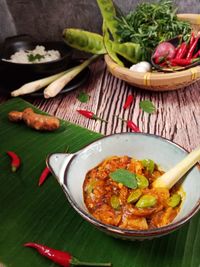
x=148, y=164
x=151, y=23
x=32, y=57
x=83, y=97
x=147, y=106
x=124, y=177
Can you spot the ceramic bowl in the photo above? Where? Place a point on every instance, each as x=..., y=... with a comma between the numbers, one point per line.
x=22, y=73
x=70, y=171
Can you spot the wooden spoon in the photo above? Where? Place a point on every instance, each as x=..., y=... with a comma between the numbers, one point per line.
x=172, y=176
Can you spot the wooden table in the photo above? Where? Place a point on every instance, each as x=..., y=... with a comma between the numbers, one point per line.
x=177, y=115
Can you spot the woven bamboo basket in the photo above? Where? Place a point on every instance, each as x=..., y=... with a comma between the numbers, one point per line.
x=159, y=81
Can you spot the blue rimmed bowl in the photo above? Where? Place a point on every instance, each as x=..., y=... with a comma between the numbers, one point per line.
x=71, y=169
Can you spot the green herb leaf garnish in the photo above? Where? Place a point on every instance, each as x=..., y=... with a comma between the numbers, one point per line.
x=148, y=164
x=152, y=23
x=124, y=177
x=147, y=106
x=32, y=57
x=83, y=97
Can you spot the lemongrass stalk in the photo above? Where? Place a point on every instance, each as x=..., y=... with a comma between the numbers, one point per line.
x=55, y=87
x=172, y=176
x=36, y=85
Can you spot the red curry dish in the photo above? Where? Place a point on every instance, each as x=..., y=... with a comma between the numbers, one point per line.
x=119, y=192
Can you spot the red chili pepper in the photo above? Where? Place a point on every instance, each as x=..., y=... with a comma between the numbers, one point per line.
x=61, y=258
x=197, y=54
x=15, y=163
x=182, y=51
x=192, y=38
x=44, y=176
x=128, y=101
x=89, y=114
x=182, y=61
x=131, y=125
x=192, y=48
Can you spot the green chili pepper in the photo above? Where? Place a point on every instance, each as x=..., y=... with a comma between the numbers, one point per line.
x=115, y=203
x=109, y=16
x=134, y=196
x=130, y=51
x=108, y=45
x=142, y=181
x=146, y=201
x=85, y=41
x=174, y=200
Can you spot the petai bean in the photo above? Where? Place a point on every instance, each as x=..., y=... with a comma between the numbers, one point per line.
x=146, y=201
x=134, y=196
x=108, y=45
x=90, y=187
x=174, y=200
x=115, y=203
x=148, y=164
x=109, y=16
x=85, y=41
x=130, y=51
x=142, y=181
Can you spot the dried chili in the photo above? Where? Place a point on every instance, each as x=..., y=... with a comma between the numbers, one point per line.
x=61, y=258
x=15, y=160
x=89, y=114
x=128, y=101
x=44, y=176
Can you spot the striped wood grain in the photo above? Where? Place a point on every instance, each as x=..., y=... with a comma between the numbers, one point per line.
x=176, y=118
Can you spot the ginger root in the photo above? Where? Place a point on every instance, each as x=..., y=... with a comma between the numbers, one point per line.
x=36, y=121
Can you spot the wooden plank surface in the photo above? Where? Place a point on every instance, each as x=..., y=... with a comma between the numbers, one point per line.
x=177, y=113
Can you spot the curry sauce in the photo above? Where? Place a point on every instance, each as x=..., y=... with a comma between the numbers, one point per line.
x=119, y=192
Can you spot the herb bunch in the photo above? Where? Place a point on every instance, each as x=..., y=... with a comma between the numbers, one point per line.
x=150, y=24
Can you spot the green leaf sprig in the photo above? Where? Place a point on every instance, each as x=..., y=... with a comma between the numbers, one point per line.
x=124, y=177
x=147, y=106
x=32, y=57
x=83, y=97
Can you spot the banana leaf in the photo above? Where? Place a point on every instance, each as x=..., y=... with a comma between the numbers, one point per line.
x=29, y=213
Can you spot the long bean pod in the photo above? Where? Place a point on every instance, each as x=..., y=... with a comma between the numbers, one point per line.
x=130, y=51
x=108, y=45
x=108, y=13
x=85, y=41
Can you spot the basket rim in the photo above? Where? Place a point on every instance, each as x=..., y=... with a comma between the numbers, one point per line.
x=157, y=75
x=193, y=18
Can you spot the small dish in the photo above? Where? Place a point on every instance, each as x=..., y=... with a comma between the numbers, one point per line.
x=70, y=171
x=9, y=85
x=175, y=42
x=35, y=70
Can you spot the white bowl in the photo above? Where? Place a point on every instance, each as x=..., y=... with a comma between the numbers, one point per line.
x=70, y=171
